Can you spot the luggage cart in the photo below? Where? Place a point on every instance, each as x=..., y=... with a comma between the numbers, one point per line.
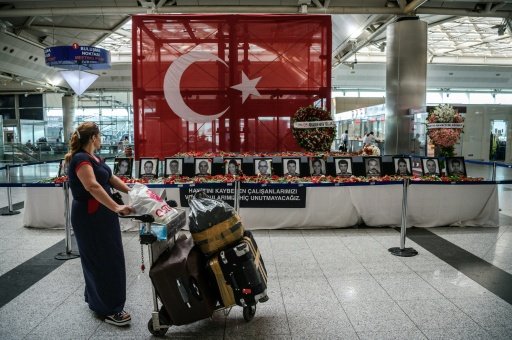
x=159, y=323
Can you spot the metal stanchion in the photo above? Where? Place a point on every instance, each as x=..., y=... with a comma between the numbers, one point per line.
x=402, y=251
x=493, y=171
x=236, y=202
x=11, y=211
x=68, y=254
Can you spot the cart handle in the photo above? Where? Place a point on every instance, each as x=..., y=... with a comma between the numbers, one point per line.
x=143, y=218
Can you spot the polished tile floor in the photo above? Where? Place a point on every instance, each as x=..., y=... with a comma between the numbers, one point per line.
x=323, y=284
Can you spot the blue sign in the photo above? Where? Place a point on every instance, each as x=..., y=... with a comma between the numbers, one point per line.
x=77, y=57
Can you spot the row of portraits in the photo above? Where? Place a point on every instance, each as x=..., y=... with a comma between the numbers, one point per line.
x=340, y=166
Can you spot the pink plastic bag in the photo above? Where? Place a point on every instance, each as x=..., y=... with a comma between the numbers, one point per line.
x=145, y=201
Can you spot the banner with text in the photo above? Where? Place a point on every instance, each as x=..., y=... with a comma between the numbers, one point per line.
x=252, y=197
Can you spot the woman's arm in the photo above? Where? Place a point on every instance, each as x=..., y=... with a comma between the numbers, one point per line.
x=116, y=183
x=86, y=176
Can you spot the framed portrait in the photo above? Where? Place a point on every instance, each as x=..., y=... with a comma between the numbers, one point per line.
x=372, y=166
x=402, y=166
x=263, y=166
x=123, y=166
x=430, y=166
x=148, y=168
x=203, y=166
x=455, y=166
x=173, y=167
x=233, y=166
x=316, y=166
x=63, y=168
x=343, y=166
x=291, y=167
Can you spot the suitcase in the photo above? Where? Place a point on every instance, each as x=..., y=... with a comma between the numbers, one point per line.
x=244, y=271
x=219, y=236
x=181, y=281
x=227, y=297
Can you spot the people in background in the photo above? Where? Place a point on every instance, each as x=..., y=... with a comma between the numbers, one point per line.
x=174, y=168
x=291, y=168
x=204, y=168
x=95, y=221
x=344, y=141
x=402, y=168
x=343, y=168
x=316, y=164
x=263, y=168
x=369, y=139
x=122, y=168
x=373, y=167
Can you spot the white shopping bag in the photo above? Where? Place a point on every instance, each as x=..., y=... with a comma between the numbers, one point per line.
x=145, y=201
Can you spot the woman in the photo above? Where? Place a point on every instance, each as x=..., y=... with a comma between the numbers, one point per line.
x=317, y=167
x=401, y=168
x=122, y=167
x=96, y=225
x=233, y=167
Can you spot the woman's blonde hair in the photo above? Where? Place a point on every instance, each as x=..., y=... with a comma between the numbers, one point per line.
x=80, y=138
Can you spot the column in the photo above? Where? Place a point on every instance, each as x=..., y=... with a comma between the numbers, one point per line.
x=406, y=81
x=68, y=115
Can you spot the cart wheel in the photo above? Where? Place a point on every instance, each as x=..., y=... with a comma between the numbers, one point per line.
x=249, y=313
x=158, y=332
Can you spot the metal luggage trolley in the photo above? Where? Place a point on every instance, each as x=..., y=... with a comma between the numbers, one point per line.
x=158, y=324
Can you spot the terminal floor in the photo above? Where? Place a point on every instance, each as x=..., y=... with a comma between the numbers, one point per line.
x=323, y=284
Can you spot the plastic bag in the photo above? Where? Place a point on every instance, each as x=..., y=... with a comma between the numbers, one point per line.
x=145, y=201
x=206, y=212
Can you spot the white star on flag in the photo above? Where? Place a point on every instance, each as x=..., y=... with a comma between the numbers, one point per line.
x=247, y=86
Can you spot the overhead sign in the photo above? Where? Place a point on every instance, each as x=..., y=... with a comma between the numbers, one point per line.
x=77, y=57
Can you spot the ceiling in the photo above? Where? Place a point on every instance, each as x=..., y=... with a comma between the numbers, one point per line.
x=462, y=35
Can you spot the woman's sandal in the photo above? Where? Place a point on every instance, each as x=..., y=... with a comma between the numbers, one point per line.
x=119, y=319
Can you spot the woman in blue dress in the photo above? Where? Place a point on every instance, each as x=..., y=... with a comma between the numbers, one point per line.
x=96, y=225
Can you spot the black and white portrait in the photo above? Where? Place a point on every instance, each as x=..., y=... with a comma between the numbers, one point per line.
x=263, y=166
x=233, y=166
x=148, y=168
x=343, y=166
x=455, y=166
x=372, y=166
x=430, y=166
x=173, y=167
x=402, y=166
x=316, y=166
x=203, y=166
x=291, y=166
x=123, y=166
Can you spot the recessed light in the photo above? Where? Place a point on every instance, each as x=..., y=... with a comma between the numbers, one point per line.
x=451, y=73
x=498, y=74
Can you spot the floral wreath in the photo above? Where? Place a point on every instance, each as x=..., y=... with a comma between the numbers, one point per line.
x=316, y=138
x=450, y=121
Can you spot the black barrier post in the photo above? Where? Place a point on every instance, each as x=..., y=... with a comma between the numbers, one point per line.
x=68, y=254
x=402, y=251
x=10, y=211
x=236, y=201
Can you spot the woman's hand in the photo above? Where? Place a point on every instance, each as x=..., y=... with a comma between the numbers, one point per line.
x=124, y=210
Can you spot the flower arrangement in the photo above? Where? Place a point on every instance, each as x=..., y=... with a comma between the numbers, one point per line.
x=445, y=137
x=369, y=150
x=313, y=139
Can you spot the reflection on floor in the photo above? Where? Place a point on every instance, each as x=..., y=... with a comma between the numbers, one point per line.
x=339, y=284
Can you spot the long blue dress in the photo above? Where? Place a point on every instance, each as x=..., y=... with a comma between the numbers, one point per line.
x=98, y=236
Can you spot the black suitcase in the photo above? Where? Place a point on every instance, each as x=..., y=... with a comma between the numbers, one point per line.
x=181, y=281
x=244, y=271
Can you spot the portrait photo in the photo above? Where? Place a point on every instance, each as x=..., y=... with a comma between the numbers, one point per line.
x=291, y=166
x=343, y=166
x=430, y=166
x=203, y=166
x=263, y=166
x=372, y=166
x=148, y=168
x=233, y=166
x=316, y=166
x=173, y=167
x=402, y=166
x=63, y=168
x=123, y=166
x=455, y=166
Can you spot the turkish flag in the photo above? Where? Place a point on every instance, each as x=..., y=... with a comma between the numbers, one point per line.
x=225, y=82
